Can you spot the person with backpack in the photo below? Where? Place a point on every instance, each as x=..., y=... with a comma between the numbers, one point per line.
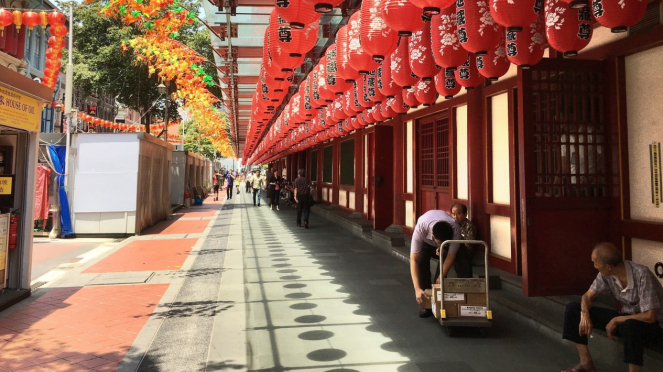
x=302, y=188
x=229, y=182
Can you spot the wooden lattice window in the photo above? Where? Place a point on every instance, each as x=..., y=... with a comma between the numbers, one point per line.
x=569, y=133
x=427, y=153
x=442, y=151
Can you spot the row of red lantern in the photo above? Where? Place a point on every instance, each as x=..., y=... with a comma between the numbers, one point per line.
x=506, y=32
x=30, y=19
x=56, y=42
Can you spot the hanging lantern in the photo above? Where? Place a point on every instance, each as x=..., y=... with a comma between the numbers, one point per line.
x=526, y=48
x=53, y=54
x=402, y=16
x=268, y=63
x=445, y=84
x=477, y=30
x=324, y=6
x=54, y=65
x=56, y=42
x=377, y=114
x=400, y=65
x=386, y=84
x=368, y=116
x=345, y=70
x=467, y=74
x=43, y=19
x=335, y=83
x=297, y=12
x=337, y=105
x=56, y=18
x=357, y=92
x=398, y=104
x=371, y=87
x=18, y=19
x=432, y=6
x=317, y=99
x=323, y=82
x=425, y=92
x=421, y=54
x=386, y=111
x=97, y=121
x=304, y=100
x=355, y=124
x=618, y=15
x=447, y=50
x=31, y=19
x=362, y=96
x=282, y=57
x=515, y=15
x=359, y=59
x=361, y=120
x=495, y=64
x=409, y=98
x=6, y=20
x=567, y=30
x=58, y=31
x=297, y=42
x=377, y=38
x=48, y=72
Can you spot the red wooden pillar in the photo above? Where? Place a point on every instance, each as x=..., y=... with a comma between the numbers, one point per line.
x=10, y=42
x=382, y=184
x=336, y=170
x=398, y=159
x=477, y=161
x=359, y=172
x=20, y=48
x=321, y=164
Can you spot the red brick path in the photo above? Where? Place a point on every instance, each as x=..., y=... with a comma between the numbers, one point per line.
x=146, y=255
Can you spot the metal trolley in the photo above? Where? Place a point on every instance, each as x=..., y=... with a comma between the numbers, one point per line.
x=480, y=322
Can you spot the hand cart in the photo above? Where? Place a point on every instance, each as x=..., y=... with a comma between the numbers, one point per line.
x=473, y=285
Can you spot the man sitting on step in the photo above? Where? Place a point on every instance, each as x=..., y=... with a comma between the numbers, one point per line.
x=638, y=323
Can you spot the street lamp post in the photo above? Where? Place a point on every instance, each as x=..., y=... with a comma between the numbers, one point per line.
x=69, y=92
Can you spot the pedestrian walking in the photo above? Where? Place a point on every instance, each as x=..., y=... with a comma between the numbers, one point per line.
x=215, y=182
x=302, y=188
x=275, y=188
x=257, y=183
x=247, y=179
x=229, y=182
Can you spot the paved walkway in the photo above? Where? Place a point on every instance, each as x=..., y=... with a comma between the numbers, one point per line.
x=231, y=287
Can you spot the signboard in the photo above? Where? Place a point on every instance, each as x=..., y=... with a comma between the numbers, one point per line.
x=4, y=239
x=655, y=164
x=19, y=111
x=6, y=185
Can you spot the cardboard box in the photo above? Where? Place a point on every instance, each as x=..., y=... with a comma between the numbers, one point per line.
x=427, y=302
x=473, y=311
x=451, y=310
x=476, y=299
x=464, y=285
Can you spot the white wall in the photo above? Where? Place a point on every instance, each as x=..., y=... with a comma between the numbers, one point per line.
x=501, y=193
x=462, y=180
x=409, y=157
x=500, y=236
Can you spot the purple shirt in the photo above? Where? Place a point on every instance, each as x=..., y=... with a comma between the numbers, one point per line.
x=423, y=232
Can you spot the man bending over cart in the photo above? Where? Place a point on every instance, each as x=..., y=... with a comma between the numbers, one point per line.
x=433, y=228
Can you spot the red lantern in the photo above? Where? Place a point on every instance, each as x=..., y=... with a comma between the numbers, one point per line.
x=58, y=31
x=477, y=30
x=297, y=12
x=425, y=92
x=48, y=72
x=386, y=84
x=377, y=38
x=398, y=104
x=467, y=74
x=447, y=50
x=368, y=116
x=53, y=54
x=377, y=114
x=362, y=97
x=6, y=19
x=268, y=63
x=317, y=78
x=421, y=54
x=526, y=48
x=618, y=15
x=323, y=81
x=304, y=96
x=359, y=59
x=335, y=83
x=97, y=121
x=345, y=70
x=400, y=65
x=56, y=42
x=409, y=98
x=371, y=87
x=282, y=57
x=56, y=19
x=31, y=19
x=432, y=6
x=116, y=126
x=357, y=95
x=515, y=15
x=495, y=64
x=387, y=111
x=324, y=6
x=297, y=42
x=402, y=16
x=445, y=84
x=567, y=30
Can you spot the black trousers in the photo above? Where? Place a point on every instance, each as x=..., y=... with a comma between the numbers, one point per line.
x=636, y=334
x=229, y=191
x=462, y=264
x=276, y=195
x=303, y=206
x=248, y=187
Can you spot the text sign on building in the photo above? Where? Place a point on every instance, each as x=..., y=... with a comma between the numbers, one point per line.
x=655, y=164
x=19, y=111
x=5, y=185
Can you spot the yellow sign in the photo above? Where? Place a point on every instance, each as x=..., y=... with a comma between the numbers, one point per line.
x=5, y=185
x=19, y=111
